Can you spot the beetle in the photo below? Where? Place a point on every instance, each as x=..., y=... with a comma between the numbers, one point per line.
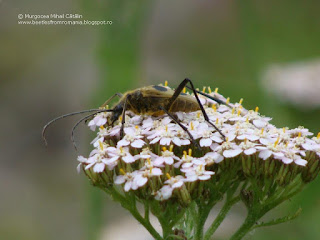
x=152, y=100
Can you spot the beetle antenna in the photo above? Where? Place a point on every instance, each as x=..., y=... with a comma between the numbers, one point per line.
x=81, y=120
x=64, y=116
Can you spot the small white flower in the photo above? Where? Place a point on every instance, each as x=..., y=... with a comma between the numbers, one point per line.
x=132, y=180
x=99, y=120
x=212, y=157
x=164, y=134
x=198, y=173
x=81, y=160
x=132, y=137
x=120, y=152
x=167, y=158
x=175, y=182
x=97, y=162
x=185, y=161
x=291, y=156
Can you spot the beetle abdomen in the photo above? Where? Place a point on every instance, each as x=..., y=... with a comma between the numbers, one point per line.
x=185, y=105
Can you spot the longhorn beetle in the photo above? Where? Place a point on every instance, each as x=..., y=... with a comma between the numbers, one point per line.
x=153, y=100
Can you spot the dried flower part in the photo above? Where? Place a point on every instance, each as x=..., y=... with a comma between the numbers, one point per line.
x=156, y=159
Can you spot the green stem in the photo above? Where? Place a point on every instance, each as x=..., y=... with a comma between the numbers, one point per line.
x=166, y=228
x=245, y=227
x=134, y=212
x=177, y=218
x=203, y=212
x=221, y=216
x=145, y=223
x=259, y=209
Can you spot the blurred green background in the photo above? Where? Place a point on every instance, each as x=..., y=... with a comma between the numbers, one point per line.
x=47, y=71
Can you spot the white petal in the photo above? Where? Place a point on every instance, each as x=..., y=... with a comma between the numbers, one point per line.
x=166, y=192
x=165, y=141
x=156, y=171
x=308, y=146
x=81, y=159
x=92, y=125
x=216, y=139
x=79, y=167
x=138, y=143
x=202, y=100
x=140, y=181
x=204, y=177
x=278, y=154
x=218, y=158
x=177, y=184
x=301, y=162
x=232, y=153
x=129, y=131
x=187, y=165
x=111, y=160
x=168, y=160
x=231, y=137
x=155, y=140
x=259, y=123
x=101, y=121
x=89, y=166
x=264, y=154
x=119, y=180
x=98, y=167
x=185, y=142
x=250, y=151
x=205, y=142
x=127, y=186
x=158, y=161
x=123, y=142
x=264, y=141
x=128, y=159
x=191, y=178
x=176, y=141
x=287, y=160
x=96, y=143
x=252, y=137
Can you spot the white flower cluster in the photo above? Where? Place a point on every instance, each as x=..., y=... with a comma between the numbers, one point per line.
x=157, y=158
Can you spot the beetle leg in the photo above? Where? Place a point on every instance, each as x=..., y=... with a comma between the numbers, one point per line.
x=112, y=97
x=124, y=116
x=177, y=93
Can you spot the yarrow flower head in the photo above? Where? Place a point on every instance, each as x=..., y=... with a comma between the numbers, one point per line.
x=156, y=159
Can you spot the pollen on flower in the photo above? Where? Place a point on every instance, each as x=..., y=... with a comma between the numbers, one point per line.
x=122, y=171
x=204, y=89
x=184, y=90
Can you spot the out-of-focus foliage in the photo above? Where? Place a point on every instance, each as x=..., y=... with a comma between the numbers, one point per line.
x=50, y=70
